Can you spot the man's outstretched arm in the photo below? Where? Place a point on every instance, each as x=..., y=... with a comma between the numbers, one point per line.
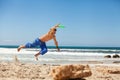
x=56, y=43
x=56, y=26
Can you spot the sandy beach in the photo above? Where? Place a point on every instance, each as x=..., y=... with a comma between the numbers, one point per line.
x=30, y=71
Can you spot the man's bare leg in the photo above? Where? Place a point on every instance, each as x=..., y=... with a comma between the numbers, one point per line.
x=36, y=56
x=20, y=47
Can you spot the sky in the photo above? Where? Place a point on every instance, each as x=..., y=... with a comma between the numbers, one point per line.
x=87, y=22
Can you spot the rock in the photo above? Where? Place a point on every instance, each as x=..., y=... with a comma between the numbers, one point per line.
x=107, y=56
x=116, y=56
x=116, y=62
x=66, y=72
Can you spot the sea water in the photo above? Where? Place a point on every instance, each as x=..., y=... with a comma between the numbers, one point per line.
x=67, y=54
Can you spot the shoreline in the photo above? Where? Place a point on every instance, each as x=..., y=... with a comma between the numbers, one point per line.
x=57, y=62
x=27, y=56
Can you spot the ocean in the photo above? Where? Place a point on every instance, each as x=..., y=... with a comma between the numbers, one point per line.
x=67, y=54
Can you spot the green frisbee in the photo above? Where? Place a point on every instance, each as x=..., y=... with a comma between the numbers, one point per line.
x=61, y=26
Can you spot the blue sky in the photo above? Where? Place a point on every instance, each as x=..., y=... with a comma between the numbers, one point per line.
x=87, y=22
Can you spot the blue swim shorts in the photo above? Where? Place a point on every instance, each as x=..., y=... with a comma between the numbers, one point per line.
x=38, y=43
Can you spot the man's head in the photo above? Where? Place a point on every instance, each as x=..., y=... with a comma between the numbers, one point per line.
x=53, y=30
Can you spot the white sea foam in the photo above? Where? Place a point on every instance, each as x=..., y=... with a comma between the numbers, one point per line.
x=27, y=55
x=33, y=51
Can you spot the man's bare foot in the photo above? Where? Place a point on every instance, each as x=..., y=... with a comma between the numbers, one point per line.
x=20, y=47
x=36, y=56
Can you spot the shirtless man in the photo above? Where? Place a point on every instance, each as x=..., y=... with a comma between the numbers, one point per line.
x=41, y=42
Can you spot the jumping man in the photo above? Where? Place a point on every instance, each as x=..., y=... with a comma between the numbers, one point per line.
x=41, y=42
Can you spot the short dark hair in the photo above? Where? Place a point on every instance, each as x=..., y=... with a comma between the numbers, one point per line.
x=55, y=29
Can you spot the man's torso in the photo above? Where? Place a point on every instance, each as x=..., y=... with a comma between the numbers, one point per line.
x=46, y=37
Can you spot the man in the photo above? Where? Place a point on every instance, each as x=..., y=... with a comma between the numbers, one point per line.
x=41, y=42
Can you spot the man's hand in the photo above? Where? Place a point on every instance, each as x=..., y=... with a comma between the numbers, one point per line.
x=56, y=26
x=58, y=49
